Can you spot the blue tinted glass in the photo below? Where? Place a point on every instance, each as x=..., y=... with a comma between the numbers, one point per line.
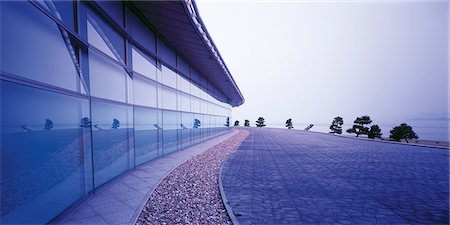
x=114, y=9
x=65, y=9
x=167, y=54
x=187, y=122
x=112, y=136
x=107, y=79
x=42, y=160
x=183, y=67
x=171, y=127
x=32, y=46
x=197, y=127
x=146, y=134
x=145, y=92
x=110, y=36
x=140, y=32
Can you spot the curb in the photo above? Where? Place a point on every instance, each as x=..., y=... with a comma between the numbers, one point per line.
x=230, y=212
x=225, y=200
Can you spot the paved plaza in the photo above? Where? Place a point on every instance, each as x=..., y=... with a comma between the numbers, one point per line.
x=280, y=176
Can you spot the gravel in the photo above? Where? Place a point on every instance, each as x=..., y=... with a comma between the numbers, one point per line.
x=190, y=193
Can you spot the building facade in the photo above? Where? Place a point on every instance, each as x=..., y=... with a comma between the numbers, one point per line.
x=90, y=90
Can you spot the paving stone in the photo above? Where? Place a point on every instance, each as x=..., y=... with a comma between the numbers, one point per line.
x=309, y=177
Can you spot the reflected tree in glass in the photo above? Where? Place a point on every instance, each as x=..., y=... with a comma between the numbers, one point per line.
x=48, y=124
x=85, y=122
x=115, y=124
x=197, y=123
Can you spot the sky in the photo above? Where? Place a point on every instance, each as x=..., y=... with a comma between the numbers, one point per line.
x=314, y=60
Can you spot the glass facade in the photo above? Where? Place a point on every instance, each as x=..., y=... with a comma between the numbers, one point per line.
x=84, y=99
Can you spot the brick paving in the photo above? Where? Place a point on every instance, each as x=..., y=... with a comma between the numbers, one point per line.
x=280, y=176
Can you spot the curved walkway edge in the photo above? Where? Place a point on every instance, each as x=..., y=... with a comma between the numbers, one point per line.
x=122, y=200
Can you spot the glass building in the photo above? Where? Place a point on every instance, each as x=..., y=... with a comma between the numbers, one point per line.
x=90, y=90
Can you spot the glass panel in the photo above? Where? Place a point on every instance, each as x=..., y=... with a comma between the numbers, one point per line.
x=145, y=92
x=147, y=134
x=32, y=46
x=170, y=131
x=108, y=36
x=107, y=79
x=114, y=9
x=196, y=131
x=183, y=66
x=203, y=106
x=143, y=65
x=195, y=105
x=112, y=135
x=42, y=156
x=187, y=124
x=168, y=77
x=169, y=99
x=167, y=54
x=184, y=103
x=184, y=85
x=140, y=32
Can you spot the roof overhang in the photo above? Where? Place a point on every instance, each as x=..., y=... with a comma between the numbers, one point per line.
x=180, y=24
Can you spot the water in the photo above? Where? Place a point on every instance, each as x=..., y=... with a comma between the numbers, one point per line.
x=434, y=130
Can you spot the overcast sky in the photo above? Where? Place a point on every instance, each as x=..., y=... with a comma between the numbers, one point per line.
x=312, y=61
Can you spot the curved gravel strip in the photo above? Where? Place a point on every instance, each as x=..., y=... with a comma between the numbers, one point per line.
x=190, y=193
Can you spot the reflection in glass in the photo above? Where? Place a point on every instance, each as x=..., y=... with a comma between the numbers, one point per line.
x=169, y=99
x=112, y=138
x=187, y=124
x=196, y=131
x=168, y=77
x=143, y=65
x=107, y=79
x=171, y=128
x=147, y=133
x=26, y=35
x=145, y=92
x=42, y=165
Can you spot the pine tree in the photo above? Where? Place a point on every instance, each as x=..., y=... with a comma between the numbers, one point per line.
x=260, y=122
x=374, y=132
x=289, y=124
x=359, y=128
x=236, y=123
x=115, y=124
x=197, y=123
x=336, y=125
x=247, y=123
x=404, y=131
x=48, y=124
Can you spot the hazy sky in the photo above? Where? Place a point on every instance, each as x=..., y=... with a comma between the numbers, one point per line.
x=311, y=61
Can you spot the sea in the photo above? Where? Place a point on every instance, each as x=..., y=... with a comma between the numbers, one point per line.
x=433, y=130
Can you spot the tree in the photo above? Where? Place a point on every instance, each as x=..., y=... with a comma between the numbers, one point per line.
x=197, y=123
x=359, y=128
x=309, y=127
x=236, y=123
x=404, y=131
x=247, y=123
x=289, y=124
x=85, y=122
x=260, y=122
x=48, y=125
x=336, y=125
x=115, y=124
x=374, y=132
